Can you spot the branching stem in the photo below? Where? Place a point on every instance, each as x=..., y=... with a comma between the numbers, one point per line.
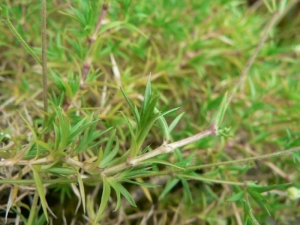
x=244, y=73
x=163, y=149
x=231, y=162
x=44, y=60
x=21, y=40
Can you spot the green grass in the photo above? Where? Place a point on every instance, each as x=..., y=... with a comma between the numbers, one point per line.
x=102, y=154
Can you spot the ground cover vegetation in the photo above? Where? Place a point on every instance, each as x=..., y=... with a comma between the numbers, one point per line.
x=149, y=112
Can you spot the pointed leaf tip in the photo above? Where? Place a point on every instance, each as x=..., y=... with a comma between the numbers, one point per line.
x=218, y=117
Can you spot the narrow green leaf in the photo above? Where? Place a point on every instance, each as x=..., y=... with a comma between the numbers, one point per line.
x=126, y=194
x=163, y=123
x=107, y=160
x=85, y=7
x=175, y=122
x=196, y=177
x=79, y=16
x=74, y=81
x=138, y=172
x=116, y=187
x=167, y=112
x=34, y=217
x=81, y=189
x=135, y=113
x=163, y=126
x=64, y=127
x=236, y=197
x=218, y=117
x=40, y=189
x=147, y=96
x=187, y=190
x=75, y=132
x=133, y=28
x=61, y=171
x=77, y=128
x=249, y=215
x=129, y=126
x=41, y=220
x=171, y=183
x=112, y=25
x=149, y=111
x=149, y=185
x=19, y=37
x=59, y=83
x=147, y=125
x=260, y=189
x=159, y=161
x=253, y=219
x=5, y=11
x=109, y=144
x=119, y=160
x=104, y=200
x=57, y=137
x=282, y=5
x=105, y=131
x=82, y=144
x=143, y=134
x=258, y=199
x=44, y=145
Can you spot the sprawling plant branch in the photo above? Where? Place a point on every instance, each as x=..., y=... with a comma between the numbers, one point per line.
x=230, y=162
x=44, y=62
x=250, y=62
x=163, y=149
x=88, y=60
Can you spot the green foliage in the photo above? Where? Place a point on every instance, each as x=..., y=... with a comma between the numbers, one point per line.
x=40, y=190
x=106, y=144
x=145, y=120
x=104, y=199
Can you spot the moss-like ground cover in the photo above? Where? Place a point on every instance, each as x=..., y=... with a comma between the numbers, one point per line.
x=224, y=73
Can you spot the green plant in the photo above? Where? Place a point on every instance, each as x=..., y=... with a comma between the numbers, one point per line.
x=94, y=134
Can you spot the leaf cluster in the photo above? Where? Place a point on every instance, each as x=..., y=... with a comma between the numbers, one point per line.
x=88, y=149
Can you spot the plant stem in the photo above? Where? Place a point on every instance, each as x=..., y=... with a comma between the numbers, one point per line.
x=163, y=149
x=231, y=162
x=33, y=209
x=243, y=75
x=87, y=63
x=115, y=169
x=211, y=180
x=88, y=60
x=44, y=61
x=99, y=23
x=51, y=181
x=21, y=40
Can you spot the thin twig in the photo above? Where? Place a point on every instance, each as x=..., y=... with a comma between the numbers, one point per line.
x=163, y=149
x=44, y=61
x=99, y=23
x=33, y=207
x=244, y=73
x=21, y=40
x=88, y=61
x=231, y=162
